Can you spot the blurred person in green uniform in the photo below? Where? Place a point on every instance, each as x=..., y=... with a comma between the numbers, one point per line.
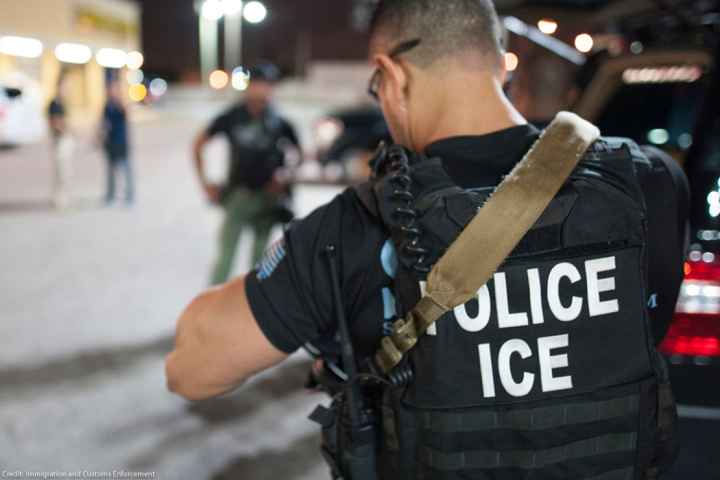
x=253, y=194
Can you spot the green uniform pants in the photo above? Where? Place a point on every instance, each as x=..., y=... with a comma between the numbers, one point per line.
x=243, y=209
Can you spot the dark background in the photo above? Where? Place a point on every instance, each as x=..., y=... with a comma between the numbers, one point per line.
x=293, y=33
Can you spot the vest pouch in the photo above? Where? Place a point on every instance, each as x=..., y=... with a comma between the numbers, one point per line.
x=330, y=423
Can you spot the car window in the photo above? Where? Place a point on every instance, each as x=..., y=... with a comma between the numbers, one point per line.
x=662, y=114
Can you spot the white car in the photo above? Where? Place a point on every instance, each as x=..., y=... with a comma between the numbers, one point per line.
x=22, y=116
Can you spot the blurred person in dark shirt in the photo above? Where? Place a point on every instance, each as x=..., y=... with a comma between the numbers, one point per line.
x=63, y=146
x=254, y=190
x=116, y=143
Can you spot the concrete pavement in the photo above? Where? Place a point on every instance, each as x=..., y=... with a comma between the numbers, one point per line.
x=88, y=301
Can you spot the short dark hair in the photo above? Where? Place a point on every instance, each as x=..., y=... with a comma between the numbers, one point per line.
x=446, y=27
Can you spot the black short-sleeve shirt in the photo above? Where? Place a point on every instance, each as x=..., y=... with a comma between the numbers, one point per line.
x=290, y=293
x=256, y=144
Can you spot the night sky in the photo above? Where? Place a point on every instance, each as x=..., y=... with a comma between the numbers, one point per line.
x=294, y=32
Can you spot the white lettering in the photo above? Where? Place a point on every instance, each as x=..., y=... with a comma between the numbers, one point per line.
x=549, y=362
x=486, y=371
x=505, y=318
x=536, y=307
x=596, y=286
x=560, y=271
x=479, y=321
x=504, y=369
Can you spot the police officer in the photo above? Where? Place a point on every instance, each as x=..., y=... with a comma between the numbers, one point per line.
x=551, y=371
x=252, y=195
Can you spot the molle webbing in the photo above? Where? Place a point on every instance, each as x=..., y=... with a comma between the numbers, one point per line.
x=532, y=419
x=530, y=459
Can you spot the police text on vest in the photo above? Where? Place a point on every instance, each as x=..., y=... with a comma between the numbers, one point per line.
x=550, y=352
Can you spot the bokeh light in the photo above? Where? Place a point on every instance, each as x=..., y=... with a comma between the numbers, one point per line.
x=637, y=47
x=511, y=61
x=73, y=53
x=584, y=42
x=158, y=87
x=219, y=79
x=548, y=26
x=111, y=58
x=135, y=76
x=135, y=60
x=232, y=7
x=21, y=47
x=212, y=10
x=255, y=12
x=658, y=136
x=240, y=79
x=137, y=92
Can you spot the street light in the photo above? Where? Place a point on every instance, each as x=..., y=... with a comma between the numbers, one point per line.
x=255, y=12
x=584, y=42
x=233, y=12
x=212, y=10
x=548, y=26
x=232, y=7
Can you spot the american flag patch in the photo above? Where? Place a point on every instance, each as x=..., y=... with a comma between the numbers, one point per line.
x=270, y=261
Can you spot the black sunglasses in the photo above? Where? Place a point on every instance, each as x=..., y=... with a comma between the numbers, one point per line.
x=374, y=84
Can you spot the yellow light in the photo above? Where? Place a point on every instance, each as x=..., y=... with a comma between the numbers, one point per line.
x=137, y=92
x=548, y=26
x=219, y=79
x=584, y=42
x=511, y=62
x=135, y=60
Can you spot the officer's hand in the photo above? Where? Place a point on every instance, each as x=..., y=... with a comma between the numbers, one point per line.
x=212, y=192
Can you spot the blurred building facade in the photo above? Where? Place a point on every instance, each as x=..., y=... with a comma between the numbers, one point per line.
x=88, y=25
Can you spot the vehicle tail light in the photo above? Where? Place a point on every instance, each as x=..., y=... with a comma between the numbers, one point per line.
x=695, y=330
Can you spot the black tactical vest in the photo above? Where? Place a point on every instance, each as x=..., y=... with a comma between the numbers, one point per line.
x=551, y=372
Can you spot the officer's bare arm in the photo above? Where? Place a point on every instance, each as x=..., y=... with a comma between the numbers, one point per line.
x=218, y=345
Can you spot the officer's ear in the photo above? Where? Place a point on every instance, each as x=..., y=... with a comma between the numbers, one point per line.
x=394, y=80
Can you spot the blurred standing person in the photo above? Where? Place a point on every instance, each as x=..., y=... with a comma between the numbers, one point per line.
x=254, y=191
x=63, y=146
x=116, y=144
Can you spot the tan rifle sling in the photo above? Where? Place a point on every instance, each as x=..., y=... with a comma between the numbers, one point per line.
x=493, y=234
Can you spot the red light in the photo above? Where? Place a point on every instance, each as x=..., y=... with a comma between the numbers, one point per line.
x=696, y=333
x=693, y=335
x=703, y=270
